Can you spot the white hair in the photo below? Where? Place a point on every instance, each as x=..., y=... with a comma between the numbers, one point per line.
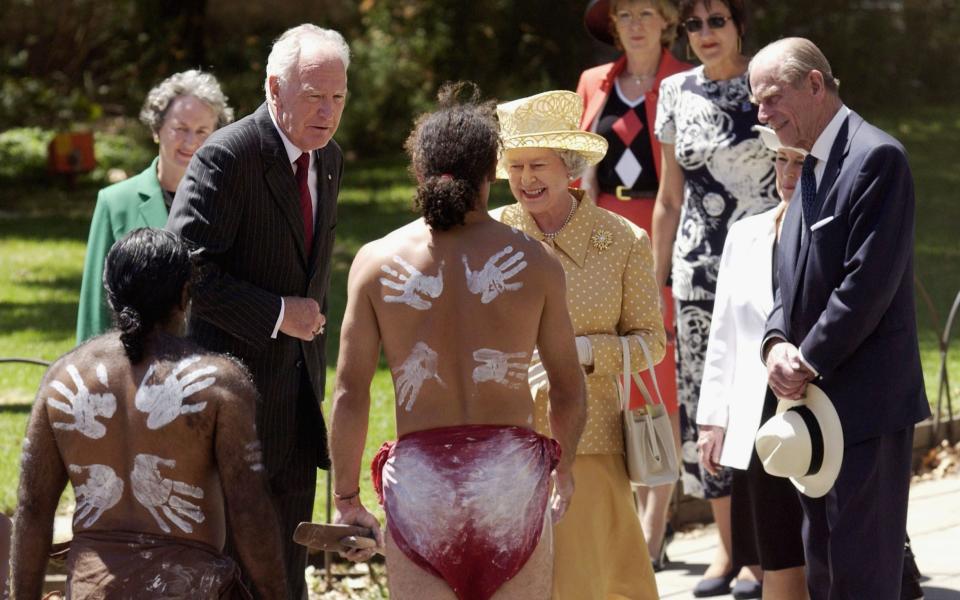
x=575, y=162
x=203, y=86
x=285, y=53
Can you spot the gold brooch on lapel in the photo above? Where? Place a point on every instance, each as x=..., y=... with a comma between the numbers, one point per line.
x=601, y=239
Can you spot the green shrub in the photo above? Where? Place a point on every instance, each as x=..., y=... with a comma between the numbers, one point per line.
x=23, y=155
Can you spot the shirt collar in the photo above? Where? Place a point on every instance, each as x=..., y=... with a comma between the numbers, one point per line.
x=574, y=239
x=293, y=153
x=823, y=145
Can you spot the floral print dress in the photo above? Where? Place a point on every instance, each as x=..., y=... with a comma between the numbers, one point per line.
x=728, y=175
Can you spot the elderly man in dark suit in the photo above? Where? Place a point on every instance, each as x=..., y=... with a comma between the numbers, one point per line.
x=259, y=203
x=845, y=316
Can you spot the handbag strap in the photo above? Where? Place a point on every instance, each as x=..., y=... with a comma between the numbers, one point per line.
x=650, y=369
x=625, y=394
x=625, y=384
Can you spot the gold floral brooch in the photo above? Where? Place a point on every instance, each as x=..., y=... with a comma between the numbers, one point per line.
x=601, y=239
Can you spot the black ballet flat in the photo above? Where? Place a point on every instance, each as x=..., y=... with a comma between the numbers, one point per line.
x=746, y=589
x=714, y=586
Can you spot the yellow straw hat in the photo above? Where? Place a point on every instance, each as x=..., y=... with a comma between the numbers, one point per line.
x=548, y=120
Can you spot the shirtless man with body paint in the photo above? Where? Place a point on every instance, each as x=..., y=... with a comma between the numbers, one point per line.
x=157, y=438
x=458, y=303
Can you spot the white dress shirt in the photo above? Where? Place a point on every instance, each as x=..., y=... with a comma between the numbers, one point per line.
x=293, y=153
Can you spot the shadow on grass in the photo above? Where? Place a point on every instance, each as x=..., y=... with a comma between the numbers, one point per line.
x=45, y=228
x=15, y=409
x=52, y=321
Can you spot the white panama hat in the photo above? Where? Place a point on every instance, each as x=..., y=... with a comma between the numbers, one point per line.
x=803, y=441
x=548, y=120
x=769, y=138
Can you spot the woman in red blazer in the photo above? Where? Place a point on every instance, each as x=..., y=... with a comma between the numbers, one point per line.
x=620, y=103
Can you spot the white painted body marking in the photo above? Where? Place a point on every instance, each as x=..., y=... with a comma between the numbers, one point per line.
x=154, y=492
x=520, y=232
x=253, y=455
x=83, y=406
x=411, y=284
x=491, y=281
x=505, y=368
x=99, y=493
x=164, y=402
x=420, y=366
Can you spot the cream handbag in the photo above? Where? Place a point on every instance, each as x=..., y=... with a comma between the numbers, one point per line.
x=647, y=434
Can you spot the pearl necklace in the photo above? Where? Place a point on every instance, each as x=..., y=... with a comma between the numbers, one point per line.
x=573, y=209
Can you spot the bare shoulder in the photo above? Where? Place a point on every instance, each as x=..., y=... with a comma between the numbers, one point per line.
x=101, y=355
x=367, y=262
x=234, y=383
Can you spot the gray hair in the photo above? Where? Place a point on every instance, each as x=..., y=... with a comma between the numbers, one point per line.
x=285, y=53
x=798, y=57
x=575, y=162
x=196, y=83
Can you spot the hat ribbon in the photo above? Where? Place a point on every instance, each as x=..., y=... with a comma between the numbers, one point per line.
x=816, y=437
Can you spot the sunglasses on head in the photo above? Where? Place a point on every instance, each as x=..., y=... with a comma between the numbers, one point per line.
x=695, y=24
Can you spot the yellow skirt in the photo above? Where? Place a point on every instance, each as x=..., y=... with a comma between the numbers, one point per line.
x=599, y=549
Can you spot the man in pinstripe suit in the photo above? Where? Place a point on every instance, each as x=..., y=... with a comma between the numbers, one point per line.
x=259, y=204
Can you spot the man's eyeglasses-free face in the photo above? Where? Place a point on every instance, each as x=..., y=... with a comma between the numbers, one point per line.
x=695, y=24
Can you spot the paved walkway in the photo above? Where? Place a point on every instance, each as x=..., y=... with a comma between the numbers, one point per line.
x=933, y=522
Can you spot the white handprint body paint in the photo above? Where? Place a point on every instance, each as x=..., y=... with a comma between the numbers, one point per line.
x=505, y=368
x=420, y=366
x=83, y=406
x=411, y=284
x=520, y=232
x=155, y=491
x=491, y=281
x=99, y=493
x=253, y=455
x=164, y=403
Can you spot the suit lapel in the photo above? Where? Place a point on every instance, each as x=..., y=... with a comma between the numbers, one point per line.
x=152, y=209
x=323, y=196
x=599, y=98
x=789, y=255
x=280, y=179
x=838, y=152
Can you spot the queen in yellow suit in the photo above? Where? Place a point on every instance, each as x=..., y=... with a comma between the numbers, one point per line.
x=600, y=551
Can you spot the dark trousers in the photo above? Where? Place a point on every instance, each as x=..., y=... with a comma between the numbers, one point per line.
x=853, y=536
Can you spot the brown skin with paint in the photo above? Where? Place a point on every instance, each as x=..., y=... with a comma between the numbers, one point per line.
x=515, y=321
x=208, y=447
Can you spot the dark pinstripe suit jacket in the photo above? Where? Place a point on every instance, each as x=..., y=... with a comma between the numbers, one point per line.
x=238, y=204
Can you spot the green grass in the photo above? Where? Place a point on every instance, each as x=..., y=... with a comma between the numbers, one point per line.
x=43, y=233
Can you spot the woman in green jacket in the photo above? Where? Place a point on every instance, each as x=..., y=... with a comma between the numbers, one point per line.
x=181, y=111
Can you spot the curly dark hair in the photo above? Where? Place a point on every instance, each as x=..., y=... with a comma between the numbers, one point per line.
x=453, y=150
x=737, y=8
x=144, y=276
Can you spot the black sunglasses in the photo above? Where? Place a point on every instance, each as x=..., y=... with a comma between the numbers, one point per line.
x=695, y=24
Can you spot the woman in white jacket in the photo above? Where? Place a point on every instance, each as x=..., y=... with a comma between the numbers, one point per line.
x=735, y=400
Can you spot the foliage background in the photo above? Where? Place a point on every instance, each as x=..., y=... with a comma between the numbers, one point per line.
x=64, y=62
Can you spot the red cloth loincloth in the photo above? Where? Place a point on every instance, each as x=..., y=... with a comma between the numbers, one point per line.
x=467, y=503
x=121, y=564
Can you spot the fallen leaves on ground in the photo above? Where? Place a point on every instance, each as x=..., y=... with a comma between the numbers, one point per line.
x=348, y=581
x=941, y=461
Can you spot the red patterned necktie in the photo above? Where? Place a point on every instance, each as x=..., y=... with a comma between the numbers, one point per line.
x=306, y=204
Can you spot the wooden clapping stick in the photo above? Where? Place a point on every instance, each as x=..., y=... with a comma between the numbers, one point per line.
x=331, y=537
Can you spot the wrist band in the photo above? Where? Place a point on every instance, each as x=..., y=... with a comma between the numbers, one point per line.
x=347, y=496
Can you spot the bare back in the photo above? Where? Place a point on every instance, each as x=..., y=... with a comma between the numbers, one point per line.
x=139, y=442
x=458, y=314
